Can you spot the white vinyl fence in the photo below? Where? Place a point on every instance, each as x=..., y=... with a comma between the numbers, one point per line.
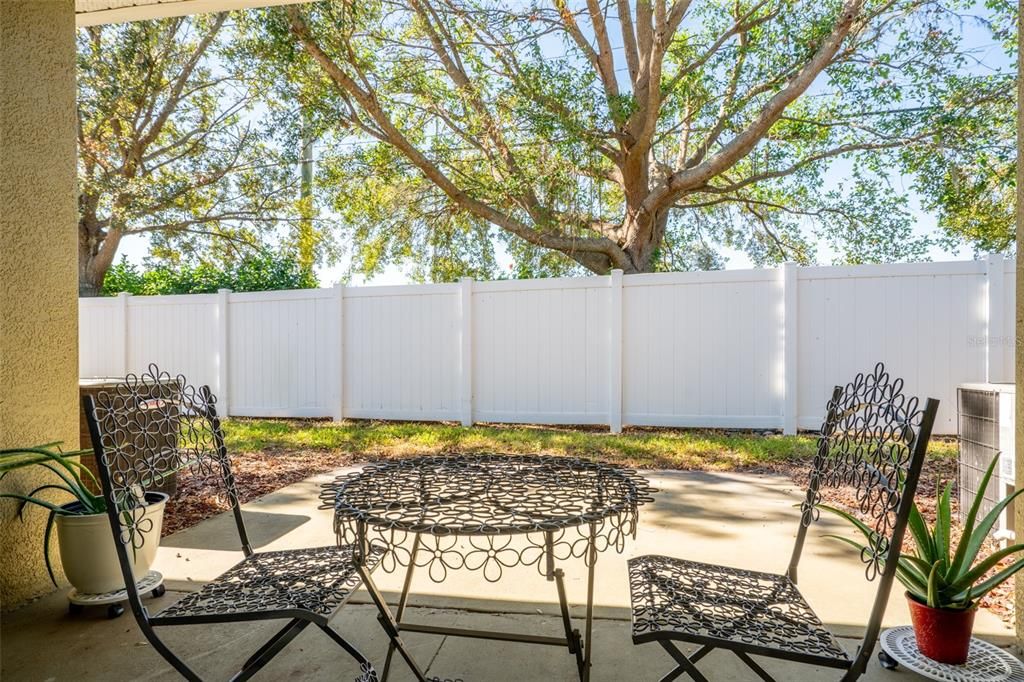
x=733, y=349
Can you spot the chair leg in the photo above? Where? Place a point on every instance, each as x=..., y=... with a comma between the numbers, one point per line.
x=168, y=655
x=685, y=665
x=369, y=674
x=272, y=648
x=761, y=672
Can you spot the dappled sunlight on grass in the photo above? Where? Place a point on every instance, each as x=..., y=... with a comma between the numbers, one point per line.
x=640, y=447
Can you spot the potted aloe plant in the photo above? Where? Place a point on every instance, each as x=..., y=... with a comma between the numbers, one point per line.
x=87, y=551
x=944, y=582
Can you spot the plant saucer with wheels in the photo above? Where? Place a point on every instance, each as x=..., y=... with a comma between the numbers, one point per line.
x=944, y=582
x=152, y=582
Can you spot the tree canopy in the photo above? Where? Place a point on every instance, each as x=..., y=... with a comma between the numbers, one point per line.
x=168, y=147
x=967, y=175
x=615, y=134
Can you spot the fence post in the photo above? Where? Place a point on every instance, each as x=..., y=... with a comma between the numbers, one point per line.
x=995, y=319
x=224, y=408
x=466, y=350
x=122, y=326
x=791, y=359
x=339, y=403
x=615, y=352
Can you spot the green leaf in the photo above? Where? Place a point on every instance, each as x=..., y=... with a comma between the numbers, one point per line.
x=961, y=557
x=942, y=524
x=868, y=533
x=50, y=522
x=933, y=585
x=984, y=567
x=922, y=536
x=985, y=587
x=31, y=500
x=985, y=527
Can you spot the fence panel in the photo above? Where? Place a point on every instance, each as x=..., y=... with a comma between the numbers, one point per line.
x=541, y=351
x=679, y=349
x=401, y=352
x=926, y=322
x=100, y=337
x=703, y=349
x=178, y=333
x=282, y=355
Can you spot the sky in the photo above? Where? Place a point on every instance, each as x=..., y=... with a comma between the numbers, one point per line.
x=989, y=56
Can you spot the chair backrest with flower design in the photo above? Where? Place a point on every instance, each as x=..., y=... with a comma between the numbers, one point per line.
x=146, y=428
x=874, y=440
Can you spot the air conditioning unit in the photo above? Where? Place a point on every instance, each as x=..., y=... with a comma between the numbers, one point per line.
x=986, y=430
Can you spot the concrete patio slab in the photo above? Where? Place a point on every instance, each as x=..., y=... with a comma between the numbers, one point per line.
x=737, y=519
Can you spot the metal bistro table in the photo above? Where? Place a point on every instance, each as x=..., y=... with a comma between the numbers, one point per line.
x=485, y=513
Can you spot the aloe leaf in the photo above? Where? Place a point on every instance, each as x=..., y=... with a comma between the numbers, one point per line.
x=915, y=571
x=933, y=587
x=852, y=543
x=985, y=527
x=32, y=500
x=972, y=515
x=79, y=491
x=922, y=537
x=868, y=532
x=920, y=564
x=981, y=589
x=48, y=486
x=942, y=523
x=50, y=523
x=93, y=504
x=17, y=458
x=985, y=566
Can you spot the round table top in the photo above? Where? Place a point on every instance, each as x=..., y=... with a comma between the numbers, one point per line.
x=985, y=662
x=492, y=494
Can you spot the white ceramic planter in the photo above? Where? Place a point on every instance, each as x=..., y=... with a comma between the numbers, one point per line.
x=87, y=550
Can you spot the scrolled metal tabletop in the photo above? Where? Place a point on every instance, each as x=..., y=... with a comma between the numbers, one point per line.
x=559, y=504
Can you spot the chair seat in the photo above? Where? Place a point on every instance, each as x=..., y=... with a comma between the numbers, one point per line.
x=316, y=581
x=748, y=611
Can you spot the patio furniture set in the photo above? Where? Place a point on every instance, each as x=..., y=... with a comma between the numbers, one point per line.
x=491, y=513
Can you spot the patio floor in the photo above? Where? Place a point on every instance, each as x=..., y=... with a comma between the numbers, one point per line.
x=736, y=519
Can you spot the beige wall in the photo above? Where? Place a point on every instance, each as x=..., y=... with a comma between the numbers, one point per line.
x=38, y=278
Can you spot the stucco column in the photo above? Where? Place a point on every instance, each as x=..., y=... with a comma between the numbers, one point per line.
x=1018, y=374
x=38, y=277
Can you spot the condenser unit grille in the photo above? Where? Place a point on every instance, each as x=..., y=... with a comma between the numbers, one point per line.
x=978, y=413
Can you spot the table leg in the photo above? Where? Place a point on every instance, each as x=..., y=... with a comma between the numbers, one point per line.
x=402, y=603
x=589, y=642
x=388, y=621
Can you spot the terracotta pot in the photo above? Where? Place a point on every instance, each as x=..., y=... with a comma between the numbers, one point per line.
x=87, y=550
x=943, y=635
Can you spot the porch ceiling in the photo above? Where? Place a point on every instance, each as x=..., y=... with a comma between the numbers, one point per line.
x=92, y=12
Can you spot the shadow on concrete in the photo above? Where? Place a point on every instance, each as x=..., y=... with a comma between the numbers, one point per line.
x=219, y=532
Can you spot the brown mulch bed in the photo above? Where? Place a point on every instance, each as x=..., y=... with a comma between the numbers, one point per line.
x=256, y=474
x=263, y=472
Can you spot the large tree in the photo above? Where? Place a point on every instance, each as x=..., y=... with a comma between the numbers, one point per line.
x=619, y=134
x=167, y=147
x=967, y=176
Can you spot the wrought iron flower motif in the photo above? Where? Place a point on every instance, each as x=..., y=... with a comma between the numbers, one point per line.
x=492, y=554
x=438, y=554
x=151, y=425
x=867, y=443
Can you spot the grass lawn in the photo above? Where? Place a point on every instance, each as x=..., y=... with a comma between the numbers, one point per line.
x=645, y=448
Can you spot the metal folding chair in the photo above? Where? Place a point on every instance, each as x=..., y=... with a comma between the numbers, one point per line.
x=176, y=426
x=874, y=439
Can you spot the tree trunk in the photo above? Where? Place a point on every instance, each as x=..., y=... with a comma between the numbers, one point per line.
x=644, y=235
x=96, y=251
